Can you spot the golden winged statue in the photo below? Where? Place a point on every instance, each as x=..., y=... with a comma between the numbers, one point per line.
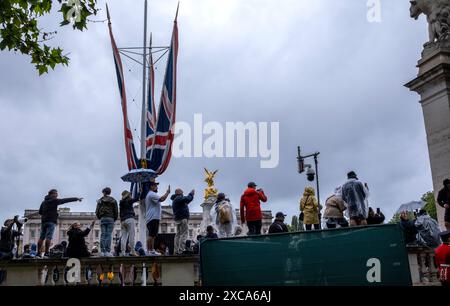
x=210, y=191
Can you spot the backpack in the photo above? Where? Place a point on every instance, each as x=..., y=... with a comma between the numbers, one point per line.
x=225, y=213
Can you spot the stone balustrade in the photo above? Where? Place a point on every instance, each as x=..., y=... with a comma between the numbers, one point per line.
x=171, y=271
x=424, y=271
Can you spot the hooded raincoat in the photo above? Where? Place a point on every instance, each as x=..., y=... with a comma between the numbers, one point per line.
x=428, y=230
x=310, y=207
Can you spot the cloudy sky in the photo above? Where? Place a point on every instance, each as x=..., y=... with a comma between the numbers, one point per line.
x=333, y=80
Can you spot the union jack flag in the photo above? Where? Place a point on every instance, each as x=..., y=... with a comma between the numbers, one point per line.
x=161, y=149
x=151, y=110
x=132, y=159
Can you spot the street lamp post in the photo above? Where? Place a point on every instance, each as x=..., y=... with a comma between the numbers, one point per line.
x=317, y=175
x=310, y=174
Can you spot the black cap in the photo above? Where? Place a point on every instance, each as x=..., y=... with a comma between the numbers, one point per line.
x=446, y=182
x=221, y=196
x=280, y=215
x=352, y=174
x=251, y=184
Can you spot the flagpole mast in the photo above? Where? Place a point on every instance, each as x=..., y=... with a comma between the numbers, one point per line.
x=144, y=87
x=141, y=220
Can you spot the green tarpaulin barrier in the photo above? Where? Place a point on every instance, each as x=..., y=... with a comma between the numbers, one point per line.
x=361, y=256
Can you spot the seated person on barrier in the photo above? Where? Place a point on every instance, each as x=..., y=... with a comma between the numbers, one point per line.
x=139, y=249
x=162, y=248
x=29, y=251
x=77, y=244
x=8, y=236
x=409, y=228
x=210, y=233
x=278, y=226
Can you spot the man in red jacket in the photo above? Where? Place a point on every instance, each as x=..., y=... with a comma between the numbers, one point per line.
x=251, y=208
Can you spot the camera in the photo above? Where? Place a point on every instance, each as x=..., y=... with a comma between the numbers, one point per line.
x=21, y=220
x=310, y=173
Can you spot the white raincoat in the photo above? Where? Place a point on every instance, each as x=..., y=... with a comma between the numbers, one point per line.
x=224, y=218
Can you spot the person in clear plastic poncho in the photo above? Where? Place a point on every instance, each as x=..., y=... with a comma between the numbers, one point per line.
x=355, y=194
x=224, y=217
x=428, y=230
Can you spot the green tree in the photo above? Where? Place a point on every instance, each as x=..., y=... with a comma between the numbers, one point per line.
x=430, y=205
x=20, y=30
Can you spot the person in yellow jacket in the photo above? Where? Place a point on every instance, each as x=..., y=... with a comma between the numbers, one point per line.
x=310, y=208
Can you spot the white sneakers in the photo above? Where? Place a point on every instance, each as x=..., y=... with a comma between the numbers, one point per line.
x=106, y=254
x=153, y=253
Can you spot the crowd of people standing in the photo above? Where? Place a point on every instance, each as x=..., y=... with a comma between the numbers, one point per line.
x=347, y=206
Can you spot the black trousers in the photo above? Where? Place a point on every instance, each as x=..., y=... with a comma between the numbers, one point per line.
x=254, y=227
x=309, y=227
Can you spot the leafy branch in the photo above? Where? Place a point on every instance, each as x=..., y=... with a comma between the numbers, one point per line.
x=20, y=31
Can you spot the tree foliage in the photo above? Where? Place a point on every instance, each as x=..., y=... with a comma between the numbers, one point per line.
x=20, y=28
x=430, y=207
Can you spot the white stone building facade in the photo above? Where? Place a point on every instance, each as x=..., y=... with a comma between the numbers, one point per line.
x=167, y=224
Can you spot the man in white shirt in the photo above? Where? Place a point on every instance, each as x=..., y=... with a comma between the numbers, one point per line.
x=153, y=215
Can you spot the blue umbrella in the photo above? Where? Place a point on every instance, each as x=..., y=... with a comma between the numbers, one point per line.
x=139, y=176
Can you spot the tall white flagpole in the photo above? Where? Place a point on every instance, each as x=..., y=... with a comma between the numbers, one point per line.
x=142, y=226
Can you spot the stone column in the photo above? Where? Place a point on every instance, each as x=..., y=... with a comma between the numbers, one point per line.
x=433, y=86
x=206, y=218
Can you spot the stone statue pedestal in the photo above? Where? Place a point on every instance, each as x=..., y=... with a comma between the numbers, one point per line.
x=433, y=86
x=206, y=218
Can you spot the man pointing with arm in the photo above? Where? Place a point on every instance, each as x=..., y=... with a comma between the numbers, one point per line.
x=49, y=218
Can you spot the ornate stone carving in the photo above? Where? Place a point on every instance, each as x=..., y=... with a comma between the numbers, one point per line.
x=438, y=17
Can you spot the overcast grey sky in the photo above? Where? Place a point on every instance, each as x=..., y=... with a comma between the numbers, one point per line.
x=333, y=80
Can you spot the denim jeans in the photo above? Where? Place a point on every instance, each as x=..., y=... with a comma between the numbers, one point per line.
x=106, y=227
x=6, y=255
x=47, y=230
